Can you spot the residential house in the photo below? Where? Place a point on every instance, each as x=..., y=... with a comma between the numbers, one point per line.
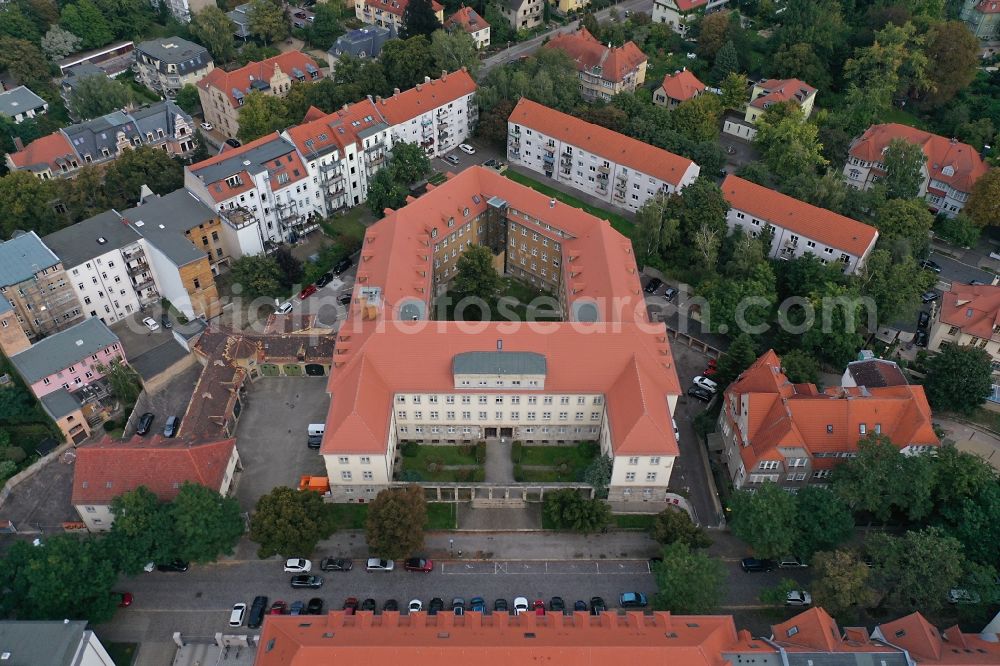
x=106, y=469
x=222, y=93
x=365, y=42
x=66, y=410
x=798, y=228
x=523, y=14
x=167, y=64
x=600, y=162
x=763, y=95
x=389, y=13
x=20, y=103
x=69, y=359
x=53, y=643
x=969, y=315
x=240, y=19
x=469, y=20
x=567, y=6
x=982, y=17
x=676, y=88
x=71, y=79
x=38, y=294
x=949, y=172
x=795, y=434
x=604, y=71
x=680, y=14
x=13, y=338
x=102, y=140
x=183, y=10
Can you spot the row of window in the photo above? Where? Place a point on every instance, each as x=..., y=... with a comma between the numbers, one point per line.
x=418, y=415
x=630, y=477
x=403, y=399
x=453, y=430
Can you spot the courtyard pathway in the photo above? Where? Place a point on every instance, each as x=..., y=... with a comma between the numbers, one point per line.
x=499, y=467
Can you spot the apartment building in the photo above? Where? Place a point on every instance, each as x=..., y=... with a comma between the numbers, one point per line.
x=61, y=154
x=763, y=95
x=107, y=266
x=982, y=17
x=222, y=93
x=438, y=114
x=37, y=294
x=600, y=162
x=20, y=104
x=469, y=21
x=52, y=642
x=969, y=315
x=389, y=13
x=361, y=43
x=523, y=14
x=798, y=228
x=676, y=88
x=949, y=172
x=795, y=434
x=106, y=469
x=183, y=10
x=604, y=71
x=168, y=64
x=396, y=379
x=680, y=14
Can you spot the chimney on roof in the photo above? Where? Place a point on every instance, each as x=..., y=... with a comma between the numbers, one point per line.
x=419, y=86
x=378, y=99
x=444, y=75
x=346, y=107
x=369, y=97
x=395, y=92
x=552, y=203
x=18, y=144
x=145, y=193
x=427, y=79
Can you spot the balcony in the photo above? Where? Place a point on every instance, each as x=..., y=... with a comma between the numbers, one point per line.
x=604, y=170
x=427, y=122
x=375, y=159
x=287, y=211
x=137, y=266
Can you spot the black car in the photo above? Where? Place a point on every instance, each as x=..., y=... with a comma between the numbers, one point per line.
x=336, y=563
x=930, y=265
x=923, y=319
x=653, y=285
x=257, y=610
x=369, y=605
x=597, y=606
x=343, y=265
x=315, y=606
x=557, y=605
x=580, y=605
x=921, y=338
x=436, y=605
x=324, y=279
x=233, y=143
x=701, y=394
x=344, y=299
x=165, y=321
x=929, y=296
x=307, y=581
x=390, y=605
x=749, y=564
x=500, y=606
x=314, y=442
x=145, y=423
x=175, y=566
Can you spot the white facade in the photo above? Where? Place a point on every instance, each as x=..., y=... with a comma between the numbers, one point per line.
x=168, y=279
x=340, y=177
x=861, y=175
x=115, y=284
x=441, y=129
x=669, y=12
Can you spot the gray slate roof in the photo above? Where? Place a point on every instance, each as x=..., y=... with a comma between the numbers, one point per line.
x=53, y=643
x=63, y=349
x=77, y=73
x=59, y=403
x=19, y=100
x=498, y=363
x=91, y=136
x=188, y=56
x=22, y=257
x=5, y=305
x=163, y=221
x=81, y=242
x=367, y=40
x=256, y=156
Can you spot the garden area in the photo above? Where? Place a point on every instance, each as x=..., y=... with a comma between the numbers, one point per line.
x=23, y=424
x=545, y=464
x=513, y=304
x=440, y=516
x=445, y=463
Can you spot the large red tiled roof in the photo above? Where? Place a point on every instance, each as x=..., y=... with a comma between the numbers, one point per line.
x=688, y=5
x=782, y=90
x=588, y=53
x=611, y=145
x=468, y=19
x=781, y=210
x=284, y=159
x=988, y=7
x=975, y=309
x=682, y=85
x=397, y=7
x=941, y=153
x=424, y=97
x=108, y=468
x=264, y=70
x=47, y=150
x=334, y=130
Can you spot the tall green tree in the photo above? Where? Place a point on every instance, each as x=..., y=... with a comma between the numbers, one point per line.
x=84, y=195
x=959, y=378
x=743, y=304
x=476, y=277
x=419, y=19
x=767, y=520
x=409, y=163
x=875, y=481
x=289, y=523
x=453, y=50
x=267, y=21
x=407, y=61
x=13, y=23
x=598, y=475
x=904, y=162
x=261, y=115
x=142, y=531
x=25, y=62
x=904, y=225
x=59, y=43
x=842, y=583
x=952, y=58
x=984, y=200
x=800, y=367
x=727, y=61
x=698, y=118
x=187, y=98
x=125, y=176
x=326, y=26
x=824, y=522
x=689, y=582
x=27, y=204
x=213, y=30
x=741, y=354
x=258, y=276
x=207, y=524
x=86, y=21
x=734, y=91
x=915, y=571
x=98, y=95
x=125, y=382
x=395, y=524
x=789, y=146
x=385, y=192
x=893, y=283
x=673, y=525
x=656, y=226
x=567, y=509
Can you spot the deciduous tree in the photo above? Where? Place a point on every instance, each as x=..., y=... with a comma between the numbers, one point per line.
x=213, y=29
x=766, y=520
x=959, y=378
x=385, y=192
x=567, y=509
x=894, y=284
x=916, y=570
x=259, y=276
x=800, y=367
x=789, y=146
x=824, y=521
x=124, y=381
x=59, y=43
x=142, y=166
x=905, y=225
x=476, y=277
x=187, y=98
x=267, y=21
x=206, y=523
x=984, y=200
x=409, y=163
x=689, y=582
x=98, y=95
x=740, y=356
x=291, y=268
x=673, y=525
x=903, y=164
x=86, y=21
x=734, y=91
x=25, y=62
x=656, y=225
x=875, y=481
x=289, y=522
x=952, y=58
x=598, y=475
x=712, y=34
x=27, y=204
x=698, y=118
x=261, y=115
x=407, y=61
x=395, y=524
x=454, y=50
x=142, y=531
x=842, y=583
x=326, y=26
x=419, y=19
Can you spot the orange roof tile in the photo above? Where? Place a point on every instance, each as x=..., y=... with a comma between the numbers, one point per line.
x=271, y=153
x=964, y=162
x=616, y=147
x=975, y=309
x=336, y=130
x=108, y=468
x=782, y=90
x=397, y=7
x=424, y=97
x=688, y=5
x=800, y=217
x=241, y=79
x=47, y=151
x=468, y=19
x=682, y=85
x=592, y=56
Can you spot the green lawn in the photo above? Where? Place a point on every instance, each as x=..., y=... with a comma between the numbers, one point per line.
x=348, y=516
x=515, y=299
x=349, y=226
x=548, y=475
x=441, y=516
x=634, y=521
x=442, y=455
x=617, y=221
x=123, y=654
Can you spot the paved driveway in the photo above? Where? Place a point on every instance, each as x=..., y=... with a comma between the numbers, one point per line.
x=171, y=399
x=149, y=352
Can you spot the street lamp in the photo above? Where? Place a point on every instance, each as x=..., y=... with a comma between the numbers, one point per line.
x=451, y=546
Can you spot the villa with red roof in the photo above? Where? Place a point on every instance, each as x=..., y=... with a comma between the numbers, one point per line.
x=969, y=315
x=795, y=434
x=399, y=375
x=106, y=469
x=468, y=20
x=764, y=94
x=604, y=71
x=983, y=19
x=222, y=93
x=679, y=14
x=389, y=13
x=593, y=159
x=949, y=172
x=676, y=88
x=799, y=228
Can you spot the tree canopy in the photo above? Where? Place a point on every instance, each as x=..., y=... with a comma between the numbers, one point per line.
x=959, y=378
x=567, y=509
x=289, y=523
x=689, y=582
x=395, y=524
x=476, y=276
x=207, y=525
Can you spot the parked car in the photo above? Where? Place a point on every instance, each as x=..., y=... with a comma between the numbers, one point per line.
x=557, y=605
x=653, y=285
x=257, y=608
x=237, y=614
x=165, y=321
x=749, y=564
x=336, y=564
x=538, y=606
x=124, y=599
x=709, y=371
x=930, y=265
x=178, y=566
x=962, y=596
x=451, y=158
x=344, y=299
x=170, y=429
x=929, y=296
x=324, y=279
x=418, y=564
x=670, y=293
x=375, y=564
x=921, y=338
x=700, y=394
x=791, y=562
x=597, y=605
x=145, y=422
x=342, y=265
x=500, y=606
x=415, y=606
x=496, y=164
x=435, y=606
x=278, y=608
x=477, y=605
x=314, y=441
x=923, y=319
x=580, y=605
x=467, y=149
x=632, y=600
x=298, y=607
x=350, y=605
x=458, y=606
x=369, y=605
x=233, y=143
x=151, y=324
x=306, y=581
x=284, y=308
x=207, y=127
x=520, y=605
x=315, y=606
x=798, y=598
x=390, y=605
x=307, y=291
x=705, y=383
x=298, y=565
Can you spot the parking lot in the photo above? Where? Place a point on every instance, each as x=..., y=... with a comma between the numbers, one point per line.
x=149, y=352
x=483, y=153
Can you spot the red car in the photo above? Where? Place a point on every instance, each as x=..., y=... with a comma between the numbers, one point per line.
x=278, y=608
x=418, y=564
x=709, y=371
x=350, y=605
x=539, y=607
x=124, y=599
x=307, y=292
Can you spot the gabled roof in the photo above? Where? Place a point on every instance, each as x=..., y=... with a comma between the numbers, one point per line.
x=187, y=56
x=61, y=350
x=337, y=130
x=106, y=469
x=688, y=5
x=23, y=256
x=601, y=141
x=271, y=154
x=426, y=96
x=876, y=372
x=162, y=220
x=682, y=85
x=960, y=159
x=242, y=81
x=781, y=210
x=49, y=642
x=975, y=309
x=782, y=90
x=593, y=57
x=81, y=242
x=397, y=7
x=19, y=100
x=468, y=19
x=44, y=153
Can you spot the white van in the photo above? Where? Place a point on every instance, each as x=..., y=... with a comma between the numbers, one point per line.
x=316, y=429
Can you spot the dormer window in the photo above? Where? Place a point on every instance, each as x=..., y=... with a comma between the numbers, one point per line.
x=948, y=171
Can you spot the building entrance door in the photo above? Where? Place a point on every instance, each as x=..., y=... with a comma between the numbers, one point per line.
x=490, y=432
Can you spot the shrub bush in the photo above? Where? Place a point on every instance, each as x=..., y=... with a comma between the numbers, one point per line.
x=409, y=449
x=479, y=475
x=15, y=454
x=110, y=425
x=588, y=449
x=410, y=475
x=463, y=475
x=432, y=466
x=516, y=451
x=518, y=473
x=481, y=452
